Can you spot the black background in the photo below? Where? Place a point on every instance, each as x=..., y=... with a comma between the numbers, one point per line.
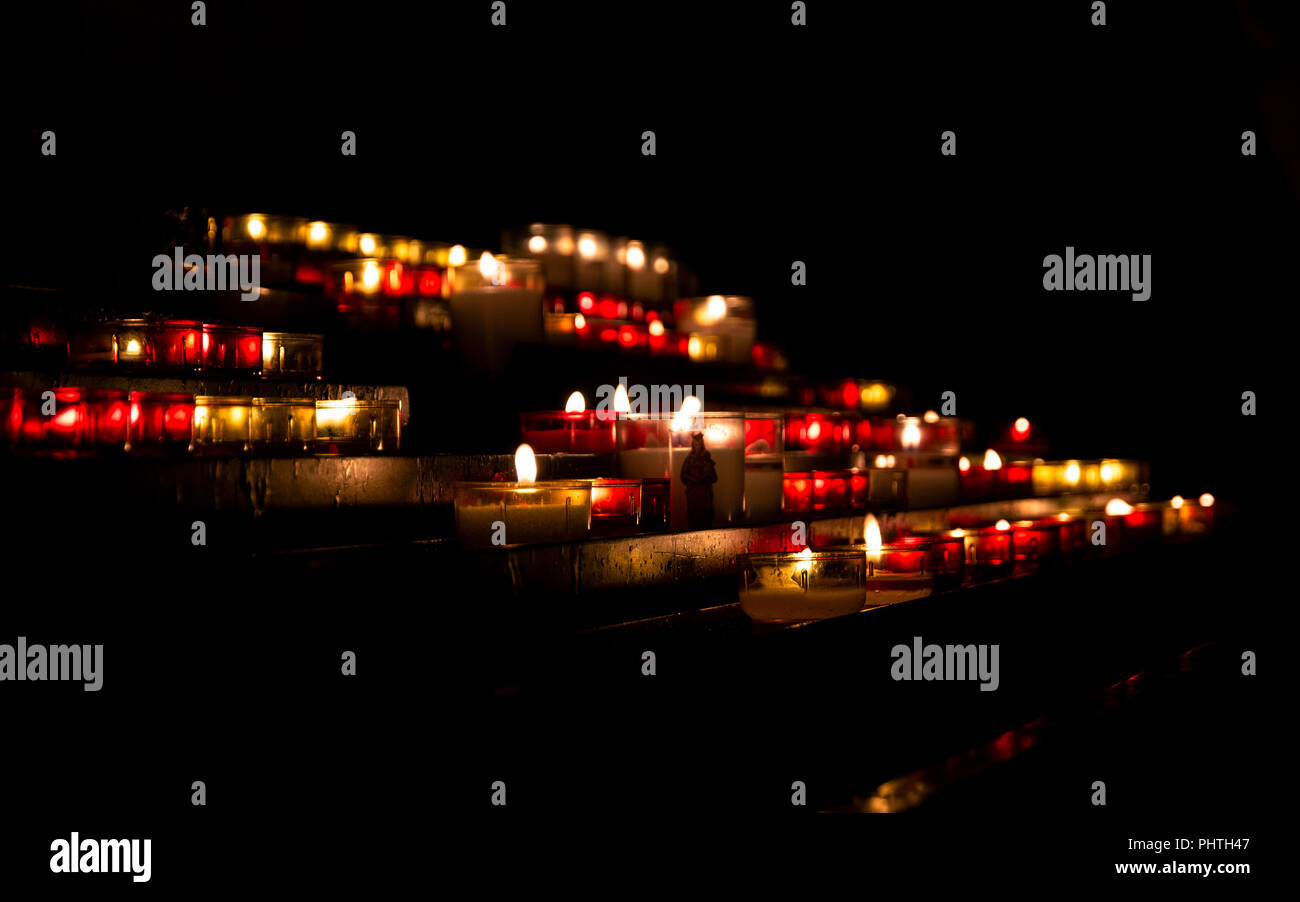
x=774, y=144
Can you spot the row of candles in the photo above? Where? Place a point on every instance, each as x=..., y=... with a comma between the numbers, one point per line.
x=819, y=583
x=71, y=419
x=183, y=346
x=757, y=477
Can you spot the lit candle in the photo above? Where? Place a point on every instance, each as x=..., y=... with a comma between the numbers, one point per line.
x=353, y=426
x=830, y=490
x=221, y=425
x=1188, y=517
x=988, y=551
x=981, y=482
x=177, y=344
x=615, y=506
x=283, y=425
x=491, y=514
x=947, y=558
x=787, y=587
x=1129, y=526
x=797, y=492
x=898, y=571
x=159, y=422
x=575, y=430
x=120, y=343
x=292, y=355
x=231, y=348
x=496, y=304
x=1035, y=541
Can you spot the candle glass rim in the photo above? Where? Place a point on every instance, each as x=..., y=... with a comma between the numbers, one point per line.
x=223, y=401
x=307, y=336
x=504, y=487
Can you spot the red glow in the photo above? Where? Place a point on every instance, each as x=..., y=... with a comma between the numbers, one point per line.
x=650, y=315
x=608, y=308
x=309, y=275
x=1020, y=429
x=431, y=282
x=207, y=342
x=849, y=392
x=627, y=336
x=609, y=334
x=814, y=430
x=67, y=418
x=586, y=301
x=638, y=312
x=684, y=346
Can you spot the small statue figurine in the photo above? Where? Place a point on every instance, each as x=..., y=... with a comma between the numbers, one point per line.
x=698, y=475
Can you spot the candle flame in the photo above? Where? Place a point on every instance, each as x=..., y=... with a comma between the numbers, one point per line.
x=1063, y=517
x=457, y=255
x=1002, y=526
x=635, y=256
x=317, y=232
x=1072, y=472
x=991, y=460
x=881, y=462
x=1176, y=502
x=256, y=227
x=656, y=328
x=587, y=246
x=487, y=265
x=804, y=560
x=537, y=244
x=1118, y=507
x=367, y=244
x=715, y=308
x=576, y=403
x=579, y=321
x=525, y=465
x=958, y=533
x=1021, y=427
x=931, y=417
x=871, y=533
x=1207, y=500
x=963, y=464
x=911, y=433
x=1107, y=473
x=621, y=403
x=661, y=265
x=682, y=419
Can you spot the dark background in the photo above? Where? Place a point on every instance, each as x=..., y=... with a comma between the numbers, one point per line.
x=774, y=144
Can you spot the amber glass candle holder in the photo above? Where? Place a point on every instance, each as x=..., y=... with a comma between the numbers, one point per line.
x=115, y=343
x=221, y=425
x=788, y=587
x=292, y=355
x=283, y=426
x=495, y=514
x=352, y=426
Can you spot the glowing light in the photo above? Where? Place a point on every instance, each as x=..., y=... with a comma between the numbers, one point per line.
x=958, y=533
x=576, y=403
x=661, y=265
x=882, y=462
x=132, y=347
x=963, y=464
x=525, y=465
x=991, y=460
x=1207, y=500
x=621, y=402
x=1063, y=517
x=367, y=244
x=683, y=417
x=871, y=533
x=693, y=348
x=587, y=246
x=1002, y=526
x=537, y=244
x=488, y=266
x=656, y=328
x=317, y=232
x=369, y=276
x=1107, y=473
x=457, y=255
x=1020, y=428
x=815, y=430
x=635, y=256
x=876, y=394
x=579, y=321
x=715, y=308
x=1072, y=473
x=911, y=437
x=931, y=416
x=803, y=561
x=564, y=244
x=1176, y=502
x=256, y=227
x=1118, y=507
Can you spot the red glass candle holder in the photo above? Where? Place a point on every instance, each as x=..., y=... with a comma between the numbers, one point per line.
x=947, y=558
x=81, y=418
x=989, y=552
x=797, y=493
x=830, y=490
x=656, y=497
x=764, y=478
x=177, y=344
x=817, y=432
x=1017, y=480
x=159, y=422
x=615, y=506
x=899, y=571
x=1072, y=540
x=232, y=348
x=561, y=432
x=11, y=416
x=1034, y=542
x=1189, y=516
x=859, y=488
